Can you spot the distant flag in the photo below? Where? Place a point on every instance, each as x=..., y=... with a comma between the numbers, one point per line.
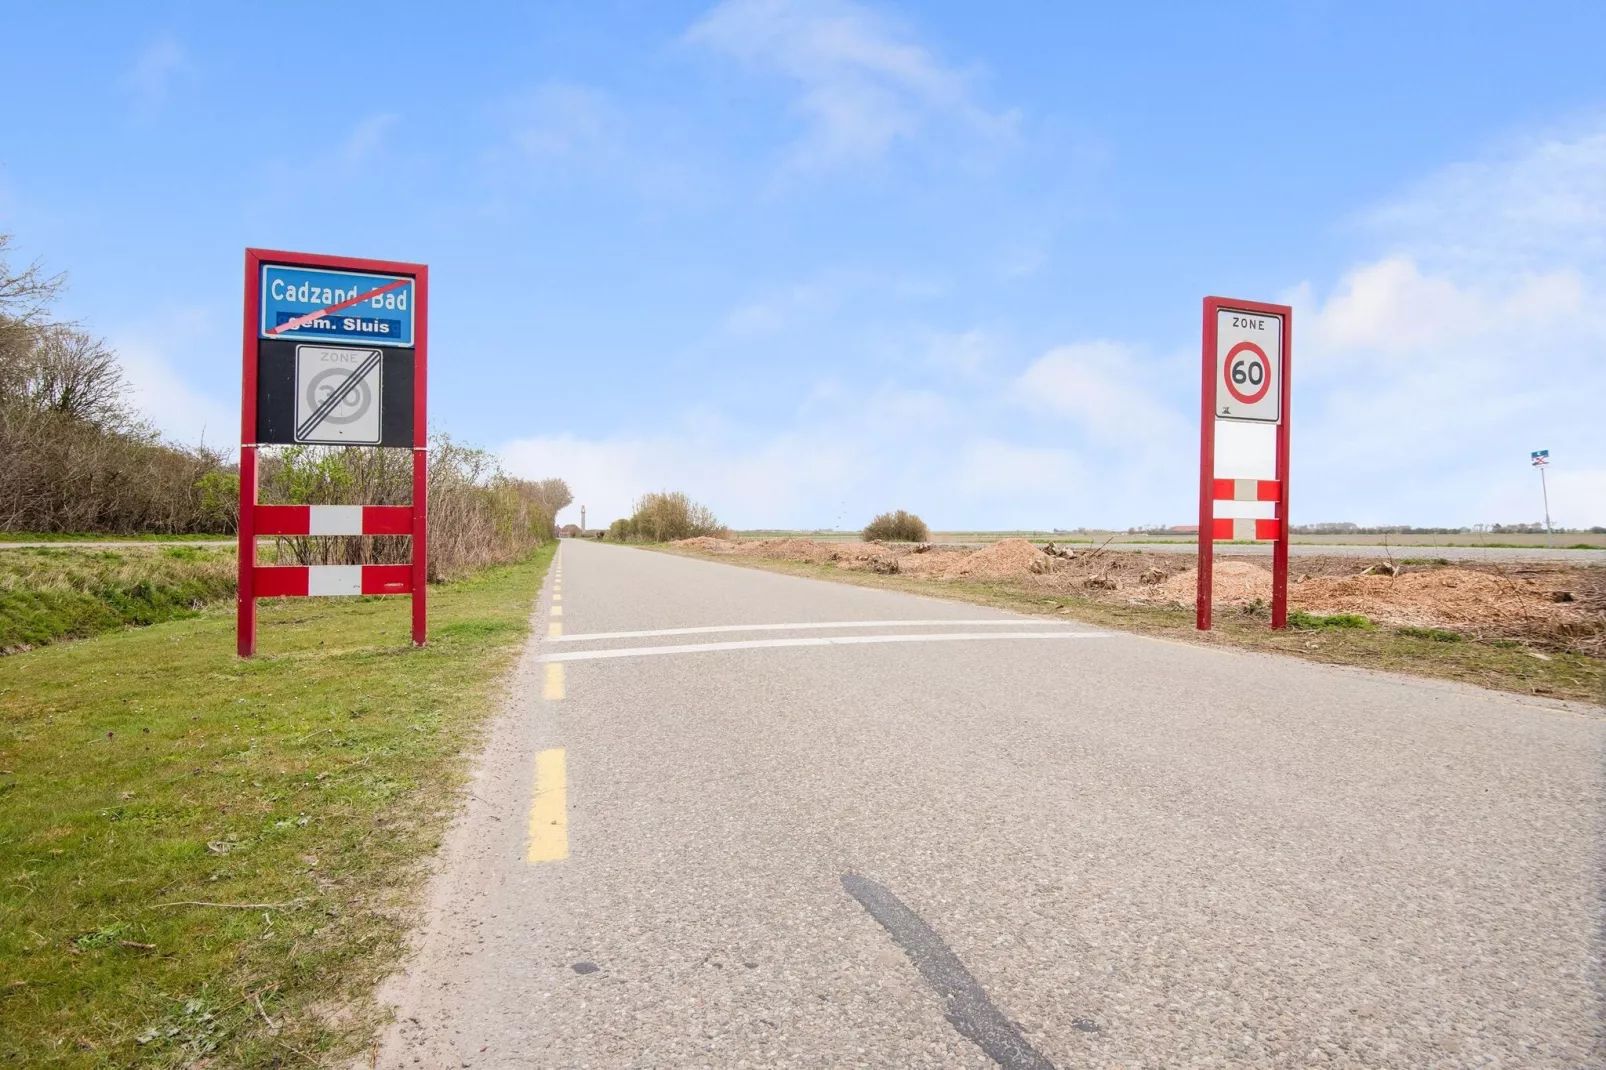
x=1541, y=458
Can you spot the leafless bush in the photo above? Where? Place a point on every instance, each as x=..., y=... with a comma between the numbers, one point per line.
x=478, y=515
x=72, y=455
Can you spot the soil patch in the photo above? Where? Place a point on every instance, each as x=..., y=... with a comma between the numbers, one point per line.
x=1558, y=606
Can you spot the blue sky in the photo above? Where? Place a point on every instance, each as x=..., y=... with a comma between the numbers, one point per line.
x=811, y=261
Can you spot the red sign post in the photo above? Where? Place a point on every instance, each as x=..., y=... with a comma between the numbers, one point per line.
x=1244, y=395
x=334, y=352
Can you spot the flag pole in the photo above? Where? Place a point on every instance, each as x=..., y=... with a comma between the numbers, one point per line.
x=1544, y=488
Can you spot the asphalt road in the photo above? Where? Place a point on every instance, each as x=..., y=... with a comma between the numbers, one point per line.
x=1038, y=845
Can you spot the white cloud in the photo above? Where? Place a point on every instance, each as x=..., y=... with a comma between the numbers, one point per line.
x=149, y=81
x=1537, y=201
x=565, y=134
x=366, y=140
x=561, y=122
x=863, y=82
x=1103, y=386
x=183, y=413
x=151, y=354
x=993, y=454
x=1425, y=377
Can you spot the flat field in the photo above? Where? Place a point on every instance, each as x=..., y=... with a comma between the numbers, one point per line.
x=209, y=862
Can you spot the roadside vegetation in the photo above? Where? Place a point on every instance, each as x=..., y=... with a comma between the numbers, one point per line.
x=210, y=862
x=77, y=456
x=666, y=516
x=53, y=593
x=478, y=514
x=1532, y=628
x=900, y=526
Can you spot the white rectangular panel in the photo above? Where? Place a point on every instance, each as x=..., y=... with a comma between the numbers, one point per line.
x=335, y=520
x=1245, y=450
x=334, y=580
x=1247, y=510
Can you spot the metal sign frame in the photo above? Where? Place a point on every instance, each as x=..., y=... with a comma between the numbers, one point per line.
x=1212, y=489
x=257, y=581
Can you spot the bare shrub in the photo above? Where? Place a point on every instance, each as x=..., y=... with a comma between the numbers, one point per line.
x=900, y=526
x=478, y=515
x=73, y=457
x=665, y=516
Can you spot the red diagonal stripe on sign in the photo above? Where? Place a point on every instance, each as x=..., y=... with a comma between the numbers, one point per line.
x=302, y=321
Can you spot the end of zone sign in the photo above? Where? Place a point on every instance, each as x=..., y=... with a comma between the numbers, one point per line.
x=337, y=306
x=335, y=353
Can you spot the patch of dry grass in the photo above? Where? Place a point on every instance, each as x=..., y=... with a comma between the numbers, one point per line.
x=1502, y=664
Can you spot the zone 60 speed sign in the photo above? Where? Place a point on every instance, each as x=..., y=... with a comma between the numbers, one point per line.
x=1249, y=348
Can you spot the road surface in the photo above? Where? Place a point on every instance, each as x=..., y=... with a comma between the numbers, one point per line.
x=924, y=834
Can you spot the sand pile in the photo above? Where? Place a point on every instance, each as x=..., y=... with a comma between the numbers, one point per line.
x=1235, y=582
x=708, y=544
x=788, y=550
x=1451, y=596
x=1005, y=559
x=932, y=561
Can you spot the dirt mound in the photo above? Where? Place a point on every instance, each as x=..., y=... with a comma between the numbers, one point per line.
x=931, y=561
x=1235, y=583
x=1003, y=560
x=1451, y=596
x=707, y=544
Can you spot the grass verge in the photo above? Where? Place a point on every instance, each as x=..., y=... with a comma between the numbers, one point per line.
x=1503, y=665
x=101, y=536
x=210, y=862
x=50, y=593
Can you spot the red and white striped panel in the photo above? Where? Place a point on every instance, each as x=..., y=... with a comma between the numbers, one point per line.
x=302, y=581
x=1244, y=529
x=1248, y=490
x=334, y=520
x=1248, y=528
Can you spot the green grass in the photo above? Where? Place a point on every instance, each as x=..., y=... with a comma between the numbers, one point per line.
x=1437, y=635
x=101, y=536
x=148, y=769
x=1300, y=619
x=50, y=593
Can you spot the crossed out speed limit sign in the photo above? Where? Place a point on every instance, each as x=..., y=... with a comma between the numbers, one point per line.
x=334, y=353
x=1243, y=492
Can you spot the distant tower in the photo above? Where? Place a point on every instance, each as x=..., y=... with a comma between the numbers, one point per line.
x=582, y=520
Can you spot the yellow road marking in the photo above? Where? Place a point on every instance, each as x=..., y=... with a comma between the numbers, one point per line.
x=557, y=611
x=554, y=630
x=556, y=597
x=552, y=687
x=549, y=808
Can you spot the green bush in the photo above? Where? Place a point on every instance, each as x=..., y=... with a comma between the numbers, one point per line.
x=1300, y=619
x=901, y=526
x=1438, y=635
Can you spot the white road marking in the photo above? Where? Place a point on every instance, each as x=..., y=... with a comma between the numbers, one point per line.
x=825, y=640
x=994, y=621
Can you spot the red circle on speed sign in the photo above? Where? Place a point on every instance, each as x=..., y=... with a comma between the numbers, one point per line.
x=1249, y=377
